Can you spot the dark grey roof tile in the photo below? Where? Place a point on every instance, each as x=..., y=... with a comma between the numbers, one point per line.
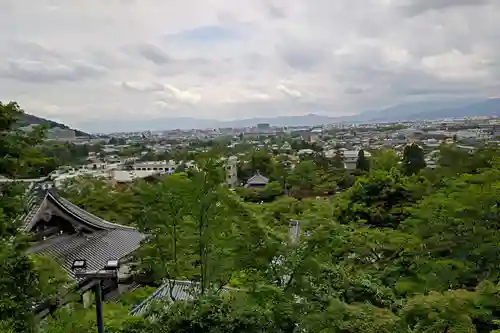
x=96, y=248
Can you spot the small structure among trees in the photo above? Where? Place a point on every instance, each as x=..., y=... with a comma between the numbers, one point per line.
x=257, y=181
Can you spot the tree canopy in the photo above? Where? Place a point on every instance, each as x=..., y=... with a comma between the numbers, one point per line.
x=395, y=247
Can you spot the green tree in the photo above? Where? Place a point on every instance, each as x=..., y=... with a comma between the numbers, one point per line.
x=19, y=152
x=384, y=159
x=99, y=197
x=54, y=283
x=267, y=310
x=362, y=162
x=257, y=161
x=413, y=159
x=200, y=230
x=341, y=317
x=303, y=176
x=338, y=159
x=379, y=200
x=75, y=318
x=451, y=311
x=19, y=281
x=458, y=223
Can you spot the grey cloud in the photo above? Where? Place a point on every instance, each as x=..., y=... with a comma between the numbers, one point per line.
x=33, y=71
x=154, y=53
x=436, y=91
x=301, y=56
x=418, y=84
x=142, y=87
x=417, y=7
x=355, y=90
x=203, y=67
x=275, y=11
x=34, y=50
x=255, y=61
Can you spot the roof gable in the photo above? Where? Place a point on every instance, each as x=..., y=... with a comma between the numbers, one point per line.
x=46, y=202
x=258, y=179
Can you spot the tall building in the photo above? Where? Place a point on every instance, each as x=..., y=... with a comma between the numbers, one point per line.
x=315, y=135
x=263, y=126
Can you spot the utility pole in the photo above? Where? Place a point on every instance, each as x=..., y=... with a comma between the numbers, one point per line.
x=98, y=307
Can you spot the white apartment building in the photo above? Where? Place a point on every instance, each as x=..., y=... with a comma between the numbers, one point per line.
x=350, y=157
x=315, y=135
x=161, y=166
x=479, y=134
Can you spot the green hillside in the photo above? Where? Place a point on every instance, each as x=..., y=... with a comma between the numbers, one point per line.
x=29, y=119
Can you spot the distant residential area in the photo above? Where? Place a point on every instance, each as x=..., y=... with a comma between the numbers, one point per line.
x=125, y=157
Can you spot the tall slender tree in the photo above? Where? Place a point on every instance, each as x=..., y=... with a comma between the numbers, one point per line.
x=362, y=163
x=338, y=159
x=413, y=159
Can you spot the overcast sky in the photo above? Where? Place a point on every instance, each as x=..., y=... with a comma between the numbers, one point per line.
x=80, y=60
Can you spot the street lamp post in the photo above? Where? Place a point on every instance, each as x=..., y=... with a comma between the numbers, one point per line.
x=109, y=272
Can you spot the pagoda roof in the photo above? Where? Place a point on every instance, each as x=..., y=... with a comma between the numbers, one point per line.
x=257, y=179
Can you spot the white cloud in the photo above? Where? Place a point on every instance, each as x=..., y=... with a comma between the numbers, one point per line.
x=289, y=92
x=51, y=109
x=456, y=65
x=182, y=96
x=160, y=58
x=162, y=104
x=141, y=86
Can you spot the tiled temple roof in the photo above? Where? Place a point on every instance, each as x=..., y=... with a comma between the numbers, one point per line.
x=94, y=239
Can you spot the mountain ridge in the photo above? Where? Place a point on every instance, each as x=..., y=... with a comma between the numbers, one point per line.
x=27, y=119
x=425, y=110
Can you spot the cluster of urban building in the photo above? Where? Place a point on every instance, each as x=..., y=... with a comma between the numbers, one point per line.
x=346, y=139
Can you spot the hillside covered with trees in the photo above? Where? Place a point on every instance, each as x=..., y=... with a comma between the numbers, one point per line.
x=27, y=119
x=400, y=248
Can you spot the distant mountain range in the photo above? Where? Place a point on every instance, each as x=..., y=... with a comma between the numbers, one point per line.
x=435, y=111
x=401, y=112
x=29, y=119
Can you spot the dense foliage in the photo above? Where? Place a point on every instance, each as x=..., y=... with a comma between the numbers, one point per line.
x=396, y=247
x=25, y=281
x=399, y=251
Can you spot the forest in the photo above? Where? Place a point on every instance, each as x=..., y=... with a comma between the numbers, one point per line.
x=398, y=248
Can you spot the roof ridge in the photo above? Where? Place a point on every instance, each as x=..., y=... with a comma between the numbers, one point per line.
x=90, y=218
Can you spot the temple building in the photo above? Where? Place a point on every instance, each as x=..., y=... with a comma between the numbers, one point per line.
x=65, y=232
x=257, y=181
